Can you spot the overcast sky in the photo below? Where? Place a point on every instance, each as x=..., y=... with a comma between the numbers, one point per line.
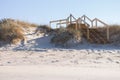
x=42, y=11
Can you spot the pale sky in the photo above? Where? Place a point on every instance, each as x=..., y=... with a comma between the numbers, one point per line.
x=42, y=11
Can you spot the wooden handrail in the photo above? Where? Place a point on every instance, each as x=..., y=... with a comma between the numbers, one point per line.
x=57, y=20
x=84, y=16
x=69, y=20
x=96, y=19
x=79, y=19
x=64, y=22
x=73, y=17
x=107, y=27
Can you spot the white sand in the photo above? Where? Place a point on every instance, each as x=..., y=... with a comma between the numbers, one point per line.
x=38, y=59
x=57, y=73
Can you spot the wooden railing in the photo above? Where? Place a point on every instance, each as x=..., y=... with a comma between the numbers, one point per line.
x=57, y=21
x=69, y=20
x=83, y=19
x=106, y=25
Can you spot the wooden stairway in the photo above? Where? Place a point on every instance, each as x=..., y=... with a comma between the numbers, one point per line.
x=94, y=35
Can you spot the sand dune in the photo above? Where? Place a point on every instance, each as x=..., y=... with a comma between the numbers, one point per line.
x=38, y=59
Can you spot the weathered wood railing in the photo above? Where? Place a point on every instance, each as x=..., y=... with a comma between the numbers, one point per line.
x=69, y=20
x=106, y=25
x=83, y=19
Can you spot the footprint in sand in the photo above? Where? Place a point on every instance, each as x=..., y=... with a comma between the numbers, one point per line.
x=110, y=59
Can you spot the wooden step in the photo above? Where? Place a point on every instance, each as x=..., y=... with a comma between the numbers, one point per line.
x=94, y=36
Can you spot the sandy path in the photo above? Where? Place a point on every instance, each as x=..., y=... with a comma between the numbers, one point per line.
x=57, y=73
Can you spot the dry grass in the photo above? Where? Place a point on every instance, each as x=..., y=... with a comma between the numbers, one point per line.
x=11, y=31
x=114, y=32
x=25, y=24
x=71, y=26
x=65, y=37
x=45, y=29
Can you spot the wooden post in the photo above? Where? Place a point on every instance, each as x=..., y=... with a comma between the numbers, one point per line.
x=95, y=22
x=108, y=33
x=76, y=26
x=56, y=25
x=70, y=18
x=60, y=23
x=92, y=24
x=79, y=26
x=80, y=23
x=84, y=18
x=66, y=23
x=88, y=35
x=50, y=24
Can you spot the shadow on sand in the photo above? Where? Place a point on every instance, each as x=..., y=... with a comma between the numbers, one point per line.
x=43, y=44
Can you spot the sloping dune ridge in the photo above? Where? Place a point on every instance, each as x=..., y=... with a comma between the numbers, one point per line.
x=36, y=58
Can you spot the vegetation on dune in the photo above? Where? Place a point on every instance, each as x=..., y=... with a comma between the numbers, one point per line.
x=11, y=31
x=114, y=31
x=25, y=24
x=66, y=38
x=64, y=35
x=45, y=29
x=71, y=26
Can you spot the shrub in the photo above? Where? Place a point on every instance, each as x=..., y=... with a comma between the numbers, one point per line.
x=46, y=30
x=114, y=31
x=66, y=38
x=10, y=31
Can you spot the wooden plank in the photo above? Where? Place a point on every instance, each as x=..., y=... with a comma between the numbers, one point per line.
x=108, y=34
x=70, y=19
x=80, y=21
x=76, y=26
x=65, y=22
x=99, y=21
x=84, y=16
x=96, y=23
x=88, y=35
x=58, y=20
x=73, y=17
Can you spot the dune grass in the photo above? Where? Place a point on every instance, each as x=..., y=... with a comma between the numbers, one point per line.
x=43, y=29
x=25, y=24
x=114, y=31
x=64, y=37
x=11, y=30
x=65, y=34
